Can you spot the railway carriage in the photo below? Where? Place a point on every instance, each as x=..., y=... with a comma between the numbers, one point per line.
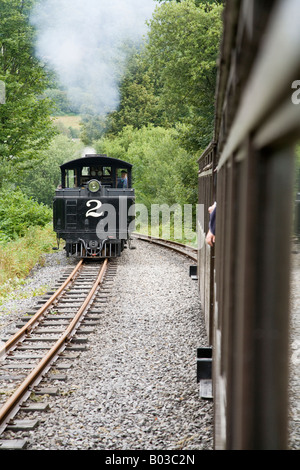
x=248, y=169
x=93, y=207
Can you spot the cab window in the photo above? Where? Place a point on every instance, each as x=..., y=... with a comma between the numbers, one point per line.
x=85, y=171
x=71, y=178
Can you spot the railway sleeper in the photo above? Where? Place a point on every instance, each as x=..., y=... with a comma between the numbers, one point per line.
x=13, y=444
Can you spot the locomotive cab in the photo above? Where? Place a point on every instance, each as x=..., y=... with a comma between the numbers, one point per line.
x=92, y=208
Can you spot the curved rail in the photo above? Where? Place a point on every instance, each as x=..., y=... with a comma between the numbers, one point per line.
x=8, y=410
x=185, y=250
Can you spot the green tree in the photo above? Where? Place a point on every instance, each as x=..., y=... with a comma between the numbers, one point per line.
x=163, y=172
x=139, y=97
x=41, y=181
x=183, y=47
x=171, y=80
x=63, y=105
x=93, y=127
x=25, y=124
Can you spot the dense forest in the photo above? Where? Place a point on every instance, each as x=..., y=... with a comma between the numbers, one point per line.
x=163, y=121
x=161, y=124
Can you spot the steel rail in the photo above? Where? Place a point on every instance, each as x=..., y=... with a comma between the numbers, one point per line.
x=172, y=245
x=28, y=326
x=16, y=398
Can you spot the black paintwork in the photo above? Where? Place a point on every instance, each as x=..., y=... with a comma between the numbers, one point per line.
x=80, y=217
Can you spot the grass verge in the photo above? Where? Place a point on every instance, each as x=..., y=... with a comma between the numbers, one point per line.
x=18, y=257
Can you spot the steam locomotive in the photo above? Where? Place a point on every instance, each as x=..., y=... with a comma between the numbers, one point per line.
x=93, y=208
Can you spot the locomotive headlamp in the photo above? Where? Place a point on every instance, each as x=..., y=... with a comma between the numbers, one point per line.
x=94, y=186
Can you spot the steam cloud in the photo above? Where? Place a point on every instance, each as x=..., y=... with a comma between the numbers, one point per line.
x=82, y=41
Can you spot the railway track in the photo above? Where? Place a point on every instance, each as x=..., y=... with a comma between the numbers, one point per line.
x=185, y=250
x=48, y=340
x=56, y=331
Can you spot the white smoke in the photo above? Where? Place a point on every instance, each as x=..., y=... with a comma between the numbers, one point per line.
x=82, y=41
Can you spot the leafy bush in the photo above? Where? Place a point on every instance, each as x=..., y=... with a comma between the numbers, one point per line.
x=18, y=212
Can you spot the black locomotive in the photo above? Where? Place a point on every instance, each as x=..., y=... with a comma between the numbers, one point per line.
x=93, y=207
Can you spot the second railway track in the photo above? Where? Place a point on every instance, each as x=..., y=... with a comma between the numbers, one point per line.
x=185, y=250
x=54, y=332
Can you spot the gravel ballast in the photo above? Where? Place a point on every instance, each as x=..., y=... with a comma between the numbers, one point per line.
x=135, y=388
